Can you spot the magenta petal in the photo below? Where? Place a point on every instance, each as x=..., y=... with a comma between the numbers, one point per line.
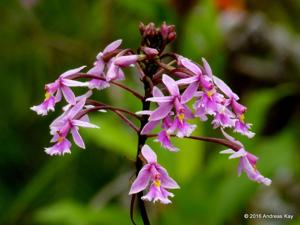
x=151, y=52
x=156, y=92
x=240, y=153
x=112, y=46
x=252, y=158
x=149, y=126
x=120, y=75
x=77, y=138
x=165, y=141
x=152, y=194
x=232, y=139
x=59, y=121
x=160, y=99
x=189, y=92
x=149, y=154
x=224, y=88
x=124, y=61
x=161, y=112
x=72, y=71
x=240, y=168
x=207, y=68
x=84, y=96
x=112, y=72
x=191, y=66
x=144, y=112
x=58, y=96
x=166, y=180
x=74, y=83
x=171, y=85
x=243, y=128
x=81, y=123
x=158, y=194
x=141, y=181
x=98, y=84
x=97, y=69
x=76, y=108
x=188, y=80
x=238, y=108
x=44, y=107
x=59, y=148
x=68, y=94
x=188, y=114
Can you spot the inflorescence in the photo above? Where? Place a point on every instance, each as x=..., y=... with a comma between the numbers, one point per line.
x=172, y=84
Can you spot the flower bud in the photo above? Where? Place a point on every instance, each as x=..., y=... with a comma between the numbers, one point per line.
x=164, y=30
x=127, y=60
x=150, y=52
x=237, y=107
x=172, y=36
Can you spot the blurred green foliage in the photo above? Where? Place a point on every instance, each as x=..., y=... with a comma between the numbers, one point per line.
x=41, y=39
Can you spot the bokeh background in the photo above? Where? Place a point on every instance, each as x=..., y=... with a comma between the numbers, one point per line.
x=253, y=45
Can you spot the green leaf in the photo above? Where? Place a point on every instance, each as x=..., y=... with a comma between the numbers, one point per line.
x=112, y=135
x=69, y=212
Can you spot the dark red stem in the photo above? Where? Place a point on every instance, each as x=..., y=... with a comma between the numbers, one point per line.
x=221, y=141
x=85, y=75
x=96, y=108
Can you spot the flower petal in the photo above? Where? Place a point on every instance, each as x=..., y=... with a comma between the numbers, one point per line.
x=77, y=138
x=160, y=99
x=59, y=148
x=156, y=92
x=112, y=72
x=72, y=71
x=161, y=112
x=76, y=108
x=166, y=180
x=240, y=153
x=227, y=151
x=81, y=123
x=189, y=92
x=191, y=66
x=142, y=181
x=225, y=88
x=171, y=85
x=144, y=112
x=149, y=126
x=230, y=138
x=164, y=139
x=158, y=194
x=124, y=61
x=68, y=94
x=112, y=46
x=149, y=154
x=98, y=68
x=188, y=80
x=74, y=83
x=207, y=68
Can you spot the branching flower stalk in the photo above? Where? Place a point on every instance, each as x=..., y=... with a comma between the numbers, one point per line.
x=169, y=88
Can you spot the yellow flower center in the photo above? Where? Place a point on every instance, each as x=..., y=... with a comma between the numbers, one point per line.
x=181, y=117
x=254, y=166
x=210, y=93
x=47, y=95
x=60, y=139
x=157, y=183
x=242, y=117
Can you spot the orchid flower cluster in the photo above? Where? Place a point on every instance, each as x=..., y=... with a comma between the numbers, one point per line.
x=176, y=91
